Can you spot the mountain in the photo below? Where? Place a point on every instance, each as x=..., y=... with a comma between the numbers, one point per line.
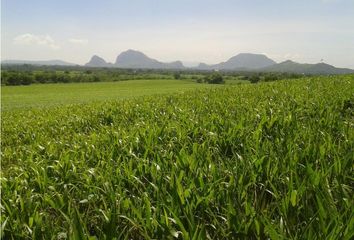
x=97, y=61
x=175, y=65
x=136, y=59
x=305, y=68
x=242, y=61
x=245, y=61
x=204, y=66
x=45, y=62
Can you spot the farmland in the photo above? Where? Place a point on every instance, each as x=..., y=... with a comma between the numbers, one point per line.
x=269, y=160
x=50, y=95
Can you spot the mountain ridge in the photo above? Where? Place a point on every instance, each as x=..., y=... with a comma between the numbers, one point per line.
x=136, y=59
x=241, y=62
x=306, y=68
x=55, y=62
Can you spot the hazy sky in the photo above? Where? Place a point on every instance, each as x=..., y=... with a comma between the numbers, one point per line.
x=189, y=30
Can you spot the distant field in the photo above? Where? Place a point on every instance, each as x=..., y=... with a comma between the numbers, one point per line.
x=47, y=95
x=255, y=161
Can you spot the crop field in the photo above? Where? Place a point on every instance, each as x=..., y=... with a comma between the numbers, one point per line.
x=253, y=161
x=49, y=95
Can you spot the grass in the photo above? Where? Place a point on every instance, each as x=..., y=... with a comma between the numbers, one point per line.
x=264, y=161
x=49, y=95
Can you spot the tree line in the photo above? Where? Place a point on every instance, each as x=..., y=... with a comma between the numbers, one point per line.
x=14, y=78
x=28, y=74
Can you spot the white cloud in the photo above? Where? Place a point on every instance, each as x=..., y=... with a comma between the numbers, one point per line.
x=31, y=39
x=78, y=41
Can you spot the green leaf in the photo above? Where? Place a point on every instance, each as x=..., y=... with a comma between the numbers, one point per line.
x=293, y=198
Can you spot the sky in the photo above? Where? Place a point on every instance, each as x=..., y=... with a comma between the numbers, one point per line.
x=193, y=31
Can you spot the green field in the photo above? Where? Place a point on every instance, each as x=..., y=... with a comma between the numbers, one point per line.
x=48, y=95
x=253, y=161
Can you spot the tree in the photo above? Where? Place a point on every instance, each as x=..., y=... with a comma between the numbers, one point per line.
x=40, y=77
x=14, y=79
x=96, y=78
x=215, y=78
x=199, y=80
x=254, y=78
x=26, y=79
x=177, y=75
x=270, y=77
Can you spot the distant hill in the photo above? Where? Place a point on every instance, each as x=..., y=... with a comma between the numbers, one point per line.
x=305, y=68
x=175, y=65
x=45, y=62
x=204, y=66
x=136, y=59
x=242, y=61
x=97, y=61
x=246, y=61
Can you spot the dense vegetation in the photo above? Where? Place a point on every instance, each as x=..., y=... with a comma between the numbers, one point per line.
x=272, y=160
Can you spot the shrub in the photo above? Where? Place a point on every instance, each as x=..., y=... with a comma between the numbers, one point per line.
x=215, y=78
